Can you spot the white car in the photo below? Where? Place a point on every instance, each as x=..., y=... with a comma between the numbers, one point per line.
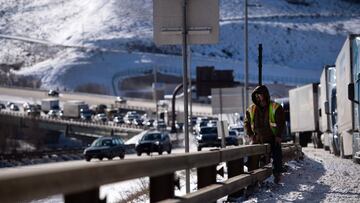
x=101, y=117
x=120, y=100
x=53, y=113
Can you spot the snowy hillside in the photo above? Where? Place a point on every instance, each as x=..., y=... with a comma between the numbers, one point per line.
x=99, y=42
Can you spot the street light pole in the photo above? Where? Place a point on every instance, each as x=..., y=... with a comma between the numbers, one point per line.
x=185, y=87
x=246, y=65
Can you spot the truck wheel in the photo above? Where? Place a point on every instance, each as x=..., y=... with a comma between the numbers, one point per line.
x=122, y=155
x=303, y=140
x=199, y=148
x=341, y=148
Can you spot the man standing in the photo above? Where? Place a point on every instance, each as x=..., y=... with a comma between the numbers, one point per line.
x=264, y=123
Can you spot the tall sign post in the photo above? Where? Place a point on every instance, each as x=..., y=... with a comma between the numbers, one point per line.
x=186, y=22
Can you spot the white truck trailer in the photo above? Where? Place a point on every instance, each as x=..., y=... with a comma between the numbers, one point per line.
x=74, y=109
x=326, y=121
x=347, y=79
x=49, y=104
x=304, y=116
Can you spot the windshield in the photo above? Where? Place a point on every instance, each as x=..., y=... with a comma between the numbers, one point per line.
x=238, y=129
x=101, y=142
x=153, y=136
x=232, y=133
x=208, y=130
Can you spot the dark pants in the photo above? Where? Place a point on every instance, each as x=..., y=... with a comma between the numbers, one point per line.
x=276, y=154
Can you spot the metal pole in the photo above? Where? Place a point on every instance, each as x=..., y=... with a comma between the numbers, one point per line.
x=155, y=94
x=190, y=85
x=221, y=121
x=260, y=64
x=246, y=56
x=185, y=87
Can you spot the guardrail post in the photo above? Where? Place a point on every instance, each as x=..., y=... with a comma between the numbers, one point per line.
x=235, y=167
x=89, y=196
x=162, y=187
x=253, y=164
x=206, y=176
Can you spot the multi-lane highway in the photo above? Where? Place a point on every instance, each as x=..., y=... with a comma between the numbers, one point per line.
x=18, y=95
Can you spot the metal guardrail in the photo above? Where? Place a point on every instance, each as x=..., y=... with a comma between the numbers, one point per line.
x=108, y=126
x=80, y=183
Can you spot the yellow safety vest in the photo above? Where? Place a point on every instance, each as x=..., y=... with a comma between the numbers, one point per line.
x=272, y=109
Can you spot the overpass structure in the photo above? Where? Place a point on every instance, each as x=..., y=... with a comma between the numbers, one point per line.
x=79, y=127
x=67, y=126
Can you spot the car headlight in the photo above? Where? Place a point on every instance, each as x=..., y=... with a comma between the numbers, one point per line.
x=157, y=142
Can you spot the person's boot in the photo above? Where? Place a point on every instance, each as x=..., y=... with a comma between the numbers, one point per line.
x=277, y=178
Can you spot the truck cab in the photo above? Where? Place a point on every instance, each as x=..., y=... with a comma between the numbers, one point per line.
x=348, y=86
x=327, y=84
x=352, y=46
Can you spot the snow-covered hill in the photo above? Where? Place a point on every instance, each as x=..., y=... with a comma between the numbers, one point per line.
x=99, y=42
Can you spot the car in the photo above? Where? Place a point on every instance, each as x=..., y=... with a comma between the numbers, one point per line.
x=101, y=117
x=100, y=108
x=8, y=104
x=207, y=137
x=238, y=128
x=120, y=100
x=26, y=106
x=154, y=141
x=198, y=126
x=2, y=106
x=14, y=107
x=148, y=123
x=137, y=122
x=130, y=117
x=105, y=147
x=53, y=93
x=118, y=120
x=212, y=123
x=159, y=125
x=233, y=138
x=33, y=111
x=85, y=114
x=53, y=113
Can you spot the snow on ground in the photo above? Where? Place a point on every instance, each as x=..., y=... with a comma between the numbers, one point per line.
x=320, y=177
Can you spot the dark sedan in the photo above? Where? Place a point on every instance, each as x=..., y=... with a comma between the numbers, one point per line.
x=154, y=142
x=105, y=147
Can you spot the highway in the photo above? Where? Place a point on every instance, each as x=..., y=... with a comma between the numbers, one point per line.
x=29, y=95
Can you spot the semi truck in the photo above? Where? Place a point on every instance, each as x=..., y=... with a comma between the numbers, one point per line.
x=348, y=86
x=286, y=135
x=76, y=109
x=49, y=104
x=326, y=109
x=304, y=116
